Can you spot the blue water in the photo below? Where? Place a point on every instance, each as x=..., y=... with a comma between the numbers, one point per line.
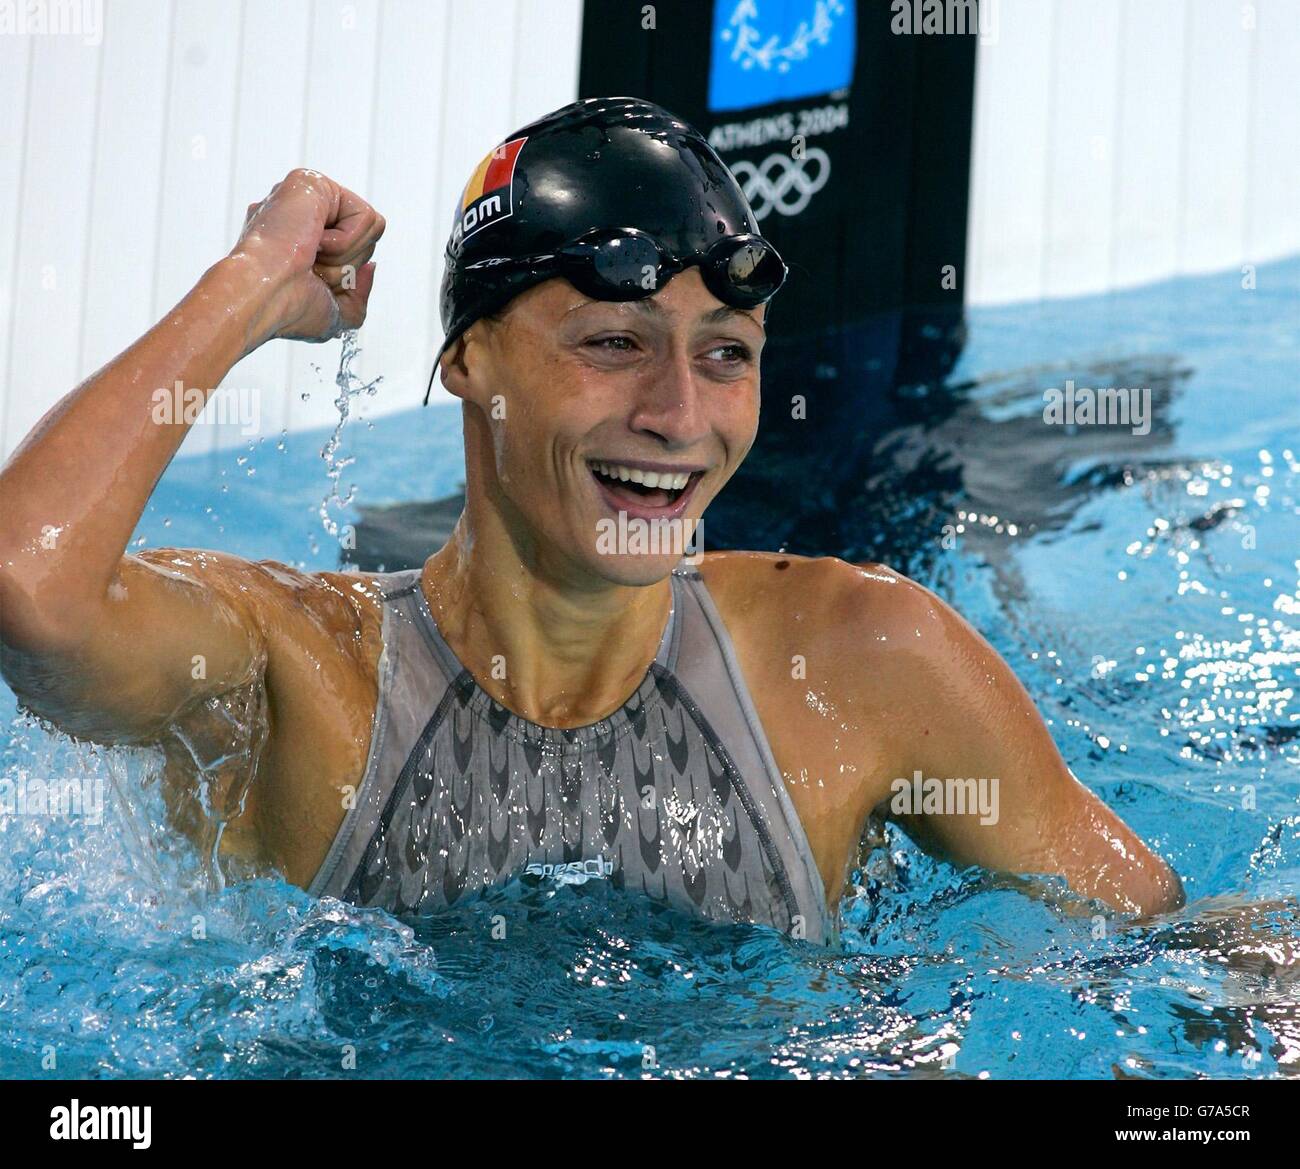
x=1146, y=589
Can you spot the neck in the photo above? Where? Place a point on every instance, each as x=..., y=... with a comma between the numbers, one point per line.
x=549, y=642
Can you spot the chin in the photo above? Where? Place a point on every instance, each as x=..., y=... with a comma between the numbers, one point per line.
x=636, y=551
x=633, y=571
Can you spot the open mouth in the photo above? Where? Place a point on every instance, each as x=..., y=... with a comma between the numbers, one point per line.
x=638, y=490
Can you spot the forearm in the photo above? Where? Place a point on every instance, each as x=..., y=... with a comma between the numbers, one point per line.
x=979, y=720
x=1096, y=854
x=1100, y=856
x=73, y=492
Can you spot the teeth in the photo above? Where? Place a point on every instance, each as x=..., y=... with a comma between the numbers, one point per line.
x=668, y=480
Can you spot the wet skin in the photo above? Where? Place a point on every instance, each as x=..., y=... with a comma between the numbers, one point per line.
x=261, y=680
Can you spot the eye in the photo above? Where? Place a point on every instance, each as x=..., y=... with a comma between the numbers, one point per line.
x=615, y=344
x=733, y=353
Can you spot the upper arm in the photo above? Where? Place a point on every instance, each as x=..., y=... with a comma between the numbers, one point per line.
x=964, y=716
x=175, y=627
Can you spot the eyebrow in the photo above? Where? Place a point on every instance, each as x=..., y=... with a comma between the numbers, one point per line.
x=726, y=311
x=651, y=308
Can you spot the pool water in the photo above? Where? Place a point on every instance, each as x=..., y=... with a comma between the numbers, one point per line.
x=1145, y=588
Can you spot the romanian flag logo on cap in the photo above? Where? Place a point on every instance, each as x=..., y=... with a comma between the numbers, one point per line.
x=489, y=194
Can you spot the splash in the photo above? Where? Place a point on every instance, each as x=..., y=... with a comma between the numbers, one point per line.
x=350, y=386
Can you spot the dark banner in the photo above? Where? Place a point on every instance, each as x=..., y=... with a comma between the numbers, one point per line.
x=850, y=137
x=354, y=1117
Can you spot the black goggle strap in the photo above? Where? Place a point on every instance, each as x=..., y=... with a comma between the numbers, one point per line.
x=432, y=373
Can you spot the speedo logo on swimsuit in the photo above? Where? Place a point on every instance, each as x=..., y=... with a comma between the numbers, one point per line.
x=489, y=195
x=572, y=872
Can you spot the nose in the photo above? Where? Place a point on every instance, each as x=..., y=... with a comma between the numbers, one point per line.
x=668, y=404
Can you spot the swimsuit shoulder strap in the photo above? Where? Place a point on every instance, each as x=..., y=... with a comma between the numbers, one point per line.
x=413, y=679
x=704, y=665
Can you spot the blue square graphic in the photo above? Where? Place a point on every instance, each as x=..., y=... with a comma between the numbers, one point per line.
x=767, y=51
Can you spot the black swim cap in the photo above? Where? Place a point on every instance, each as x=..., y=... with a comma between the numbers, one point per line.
x=601, y=162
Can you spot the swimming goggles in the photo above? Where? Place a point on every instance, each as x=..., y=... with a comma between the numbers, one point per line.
x=625, y=263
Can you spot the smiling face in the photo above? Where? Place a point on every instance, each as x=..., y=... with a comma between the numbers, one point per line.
x=579, y=410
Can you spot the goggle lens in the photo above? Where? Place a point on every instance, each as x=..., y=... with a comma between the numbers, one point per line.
x=752, y=271
x=743, y=271
x=623, y=267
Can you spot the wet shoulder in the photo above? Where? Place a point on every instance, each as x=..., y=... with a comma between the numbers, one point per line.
x=337, y=612
x=859, y=625
x=825, y=594
x=316, y=616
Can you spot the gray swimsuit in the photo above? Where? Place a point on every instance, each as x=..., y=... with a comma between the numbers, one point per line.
x=675, y=795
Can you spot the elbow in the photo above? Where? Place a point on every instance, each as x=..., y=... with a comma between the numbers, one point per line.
x=1146, y=890
x=1174, y=896
x=1163, y=893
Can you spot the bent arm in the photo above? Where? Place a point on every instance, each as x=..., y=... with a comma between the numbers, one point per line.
x=108, y=645
x=976, y=722
x=76, y=615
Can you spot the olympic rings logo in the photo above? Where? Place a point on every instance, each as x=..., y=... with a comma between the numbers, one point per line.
x=782, y=183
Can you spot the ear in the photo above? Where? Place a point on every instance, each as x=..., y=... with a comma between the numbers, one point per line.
x=452, y=370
